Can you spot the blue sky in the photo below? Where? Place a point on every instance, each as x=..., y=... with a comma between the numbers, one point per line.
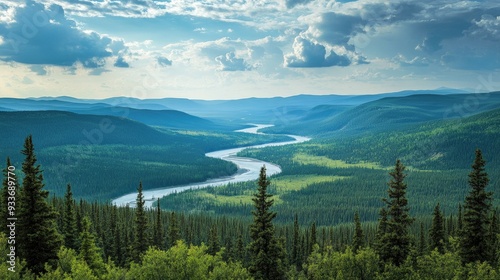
x=215, y=49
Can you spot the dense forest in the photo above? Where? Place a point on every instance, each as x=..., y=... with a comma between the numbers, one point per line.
x=63, y=238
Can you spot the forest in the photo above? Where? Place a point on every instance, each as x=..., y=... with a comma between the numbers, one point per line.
x=65, y=238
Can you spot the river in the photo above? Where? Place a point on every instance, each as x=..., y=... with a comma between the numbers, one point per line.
x=248, y=169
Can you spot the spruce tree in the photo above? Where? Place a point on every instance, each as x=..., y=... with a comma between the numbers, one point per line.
x=174, y=233
x=4, y=203
x=89, y=251
x=141, y=241
x=213, y=241
x=422, y=245
x=436, y=232
x=265, y=250
x=358, y=241
x=395, y=243
x=474, y=241
x=69, y=220
x=296, y=258
x=38, y=238
x=158, y=228
x=240, y=252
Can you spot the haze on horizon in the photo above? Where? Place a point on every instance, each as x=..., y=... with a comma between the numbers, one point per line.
x=219, y=49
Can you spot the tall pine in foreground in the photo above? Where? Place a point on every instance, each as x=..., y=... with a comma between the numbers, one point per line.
x=38, y=238
x=358, y=240
x=265, y=250
x=394, y=243
x=475, y=244
x=141, y=241
x=69, y=220
x=436, y=232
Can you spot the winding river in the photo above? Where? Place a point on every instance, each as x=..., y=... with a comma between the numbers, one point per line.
x=248, y=169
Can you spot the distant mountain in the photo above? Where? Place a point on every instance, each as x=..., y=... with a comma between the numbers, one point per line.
x=165, y=118
x=55, y=128
x=389, y=113
x=156, y=117
x=268, y=110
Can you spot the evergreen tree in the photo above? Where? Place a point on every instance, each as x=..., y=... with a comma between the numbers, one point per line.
x=158, y=229
x=69, y=220
x=358, y=241
x=436, y=232
x=422, y=245
x=213, y=241
x=266, y=252
x=141, y=241
x=89, y=251
x=4, y=199
x=116, y=248
x=174, y=233
x=396, y=240
x=314, y=238
x=239, y=254
x=459, y=219
x=493, y=236
x=296, y=258
x=39, y=239
x=474, y=241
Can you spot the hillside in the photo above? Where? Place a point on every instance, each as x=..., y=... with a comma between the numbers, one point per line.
x=105, y=156
x=146, y=112
x=390, y=113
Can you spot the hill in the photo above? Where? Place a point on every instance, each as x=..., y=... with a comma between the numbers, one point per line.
x=388, y=113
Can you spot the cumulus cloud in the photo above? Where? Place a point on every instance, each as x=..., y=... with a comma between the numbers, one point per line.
x=40, y=35
x=229, y=62
x=121, y=63
x=310, y=54
x=163, y=61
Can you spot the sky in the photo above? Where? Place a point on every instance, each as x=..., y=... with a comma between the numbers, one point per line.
x=219, y=49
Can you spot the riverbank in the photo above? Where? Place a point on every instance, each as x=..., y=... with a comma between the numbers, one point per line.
x=248, y=169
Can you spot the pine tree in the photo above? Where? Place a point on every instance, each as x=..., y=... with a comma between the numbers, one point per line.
x=174, y=233
x=474, y=241
x=37, y=219
x=396, y=240
x=296, y=258
x=141, y=241
x=69, y=220
x=436, y=232
x=422, y=245
x=213, y=241
x=314, y=238
x=116, y=248
x=358, y=239
x=239, y=254
x=266, y=252
x=493, y=236
x=459, y=219
x=158, y=229
x=4, y=199
x=89, y=251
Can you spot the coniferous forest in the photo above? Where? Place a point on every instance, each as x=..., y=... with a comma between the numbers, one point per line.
x=65, y=238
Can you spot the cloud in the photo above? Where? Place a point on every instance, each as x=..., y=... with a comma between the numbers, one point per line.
x=163, y=61
x=39, y=70
x=310, y=54
x=292, y=3
x=230, y=62
x=40, y=35
x=121, y=63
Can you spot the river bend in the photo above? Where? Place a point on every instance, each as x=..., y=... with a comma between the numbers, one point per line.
x=248, y=169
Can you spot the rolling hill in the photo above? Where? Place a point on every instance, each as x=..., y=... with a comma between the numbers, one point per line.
x=388, y=113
